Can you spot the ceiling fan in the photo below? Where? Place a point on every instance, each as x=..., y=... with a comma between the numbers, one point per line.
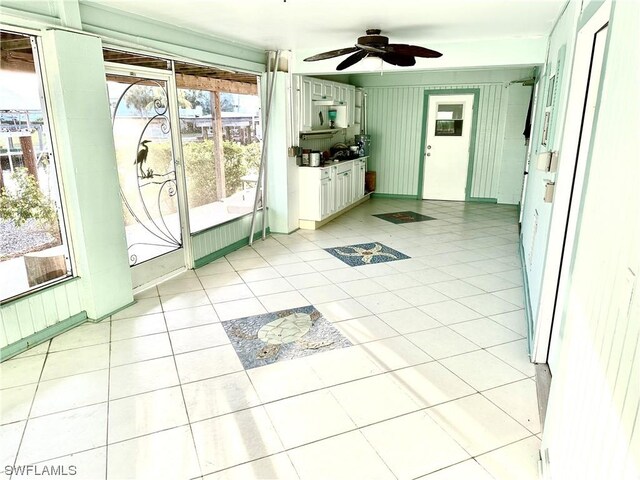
x=375, y=45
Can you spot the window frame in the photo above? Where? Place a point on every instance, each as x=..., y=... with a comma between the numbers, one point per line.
x=110, y=44
x=64, y=219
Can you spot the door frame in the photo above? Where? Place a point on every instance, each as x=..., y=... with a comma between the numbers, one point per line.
x=472, y=139
x=568, y=192
x=183, y=208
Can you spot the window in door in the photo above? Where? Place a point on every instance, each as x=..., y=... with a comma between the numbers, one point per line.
x=34, y=251
x=449, y=118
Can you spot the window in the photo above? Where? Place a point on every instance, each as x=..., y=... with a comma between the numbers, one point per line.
x=221, y=142
x=33, y=250
x=449, y=120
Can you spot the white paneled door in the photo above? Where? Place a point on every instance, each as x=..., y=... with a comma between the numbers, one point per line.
x=446, y=155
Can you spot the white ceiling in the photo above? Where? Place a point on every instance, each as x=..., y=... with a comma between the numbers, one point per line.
x=327, y=24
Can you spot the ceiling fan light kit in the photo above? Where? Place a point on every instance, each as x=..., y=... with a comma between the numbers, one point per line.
x=373, y=44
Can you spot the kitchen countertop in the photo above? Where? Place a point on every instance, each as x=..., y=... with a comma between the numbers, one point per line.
x=332, y=163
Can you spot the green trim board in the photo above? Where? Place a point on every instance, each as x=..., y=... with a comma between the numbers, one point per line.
x=41, y=336
x=472, y=141
x=98, y=320
x=201, y=262
x=394, y=195
x=528, y=313
x=482, y=200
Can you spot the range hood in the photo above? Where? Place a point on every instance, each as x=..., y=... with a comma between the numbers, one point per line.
x=320, y=134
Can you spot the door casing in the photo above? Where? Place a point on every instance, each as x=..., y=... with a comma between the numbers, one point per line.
x=561, y=232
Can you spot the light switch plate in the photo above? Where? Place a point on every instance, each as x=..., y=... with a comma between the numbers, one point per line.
x=544, y=160
x=549, y=190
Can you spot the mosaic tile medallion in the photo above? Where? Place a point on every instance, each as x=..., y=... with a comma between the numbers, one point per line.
x=403, y=217
x=272, y=337
x=366, y=254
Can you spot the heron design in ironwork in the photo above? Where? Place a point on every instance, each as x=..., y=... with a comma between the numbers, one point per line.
x=142, y=157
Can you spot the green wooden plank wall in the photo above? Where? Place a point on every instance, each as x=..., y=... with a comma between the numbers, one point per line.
x=395, y=124
x=217, y=238
x=33, y=313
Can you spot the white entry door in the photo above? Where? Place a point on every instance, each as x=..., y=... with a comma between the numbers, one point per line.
x=446, y=156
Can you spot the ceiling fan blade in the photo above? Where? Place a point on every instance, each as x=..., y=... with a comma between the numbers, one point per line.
x=412, y=50
x=331, y=54
x=370, y=48
x=399, y=60
x=352, y=59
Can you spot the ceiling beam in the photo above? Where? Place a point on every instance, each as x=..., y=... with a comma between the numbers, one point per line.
x=20, y=62
x=215, y=85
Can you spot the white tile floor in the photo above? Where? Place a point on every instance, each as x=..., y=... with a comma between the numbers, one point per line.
x=436, y=386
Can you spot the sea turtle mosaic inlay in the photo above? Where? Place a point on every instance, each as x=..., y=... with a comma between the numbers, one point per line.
x=403, y=217
x=366, y=254
x=271, y=337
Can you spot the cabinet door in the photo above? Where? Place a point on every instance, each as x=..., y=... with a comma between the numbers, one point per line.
x=359, y=180
x=327, y=91
x=326, y=197
x=316, y=89
x=339, y=192
x=344, y=96
x=336, y=93
x=306, y=106
x=347, y=189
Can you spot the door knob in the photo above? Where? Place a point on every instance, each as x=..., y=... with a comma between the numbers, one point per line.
x=428, y=147
x=428, y=154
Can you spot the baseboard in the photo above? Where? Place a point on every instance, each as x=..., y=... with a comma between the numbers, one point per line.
x=201, y=262
x=482, y=200
x=394, y=196
x=103, y=317
x=37, y=338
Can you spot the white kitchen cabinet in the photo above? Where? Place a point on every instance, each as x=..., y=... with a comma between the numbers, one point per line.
x=343, y=175
x=317, y=87
x=326, y=191
x=327, y=91
x=344, y=93
x=317, y=196
x=327, y=197
x=335, y=88
x=313, y=89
